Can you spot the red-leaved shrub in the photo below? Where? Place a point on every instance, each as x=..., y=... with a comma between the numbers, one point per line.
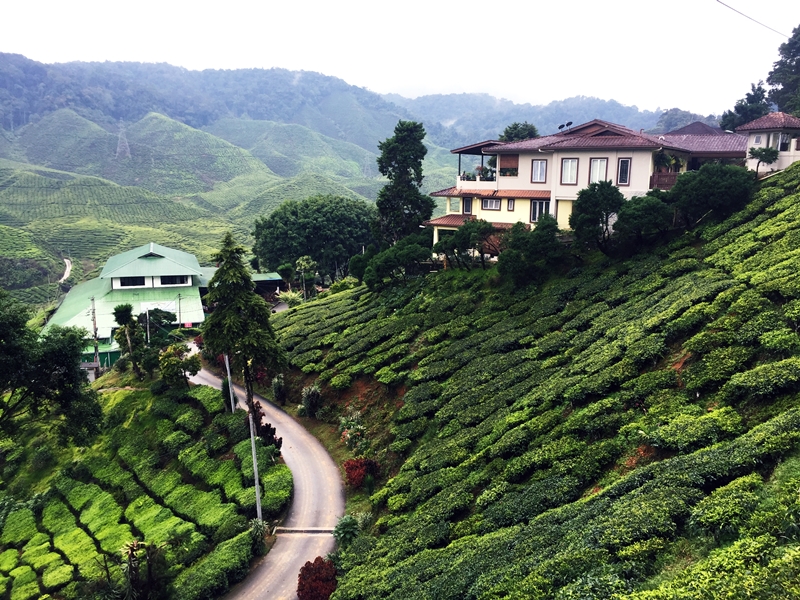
x=317, y=580
x=357, y=469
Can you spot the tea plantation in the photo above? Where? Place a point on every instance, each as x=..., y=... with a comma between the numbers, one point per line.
x=629, y=430
x=174, y=471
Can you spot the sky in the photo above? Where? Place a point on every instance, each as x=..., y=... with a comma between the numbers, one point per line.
x=695, y=55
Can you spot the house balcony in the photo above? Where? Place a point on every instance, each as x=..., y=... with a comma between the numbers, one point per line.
x=474, y=182
x=663, y=181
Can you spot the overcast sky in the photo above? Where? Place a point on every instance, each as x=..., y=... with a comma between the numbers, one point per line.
x=697, y=55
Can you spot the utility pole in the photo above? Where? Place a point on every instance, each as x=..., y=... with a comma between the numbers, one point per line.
x=147, y=311
x=255, y=465
x=230, y=384
x=96, y=343
x=180, y=322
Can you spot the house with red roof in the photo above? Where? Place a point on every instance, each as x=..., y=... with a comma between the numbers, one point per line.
x=543, y=175
x=775, y=130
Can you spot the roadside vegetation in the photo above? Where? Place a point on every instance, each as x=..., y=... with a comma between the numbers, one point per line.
x=623, y=429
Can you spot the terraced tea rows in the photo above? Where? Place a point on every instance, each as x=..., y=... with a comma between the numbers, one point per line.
x=164, y=473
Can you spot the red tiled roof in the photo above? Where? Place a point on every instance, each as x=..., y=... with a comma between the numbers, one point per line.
x=731, y=143
x=776, y=120
x=450, y=220
x=607, y=141
x=454, y=192
x=459, y=220
x=696, y=128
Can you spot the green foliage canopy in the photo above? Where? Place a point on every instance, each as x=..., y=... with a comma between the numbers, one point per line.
x=785, y=75
x=402, y=207
x=42, y=375
x=519, y=131
x=751, y=107
x=330, y=229
x=716, y=190
x=239, y=325
x=593, y=212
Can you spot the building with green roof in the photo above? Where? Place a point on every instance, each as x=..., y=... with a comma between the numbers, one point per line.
x=148, y=277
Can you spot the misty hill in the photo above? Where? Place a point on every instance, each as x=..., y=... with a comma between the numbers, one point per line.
x=628, y=430
x=109, y=92
x=468, y=118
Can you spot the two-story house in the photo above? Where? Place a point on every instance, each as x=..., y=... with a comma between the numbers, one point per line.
x=775, y=130
x=544, y=175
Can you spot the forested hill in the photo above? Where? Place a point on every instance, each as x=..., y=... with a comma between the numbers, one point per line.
x=111, y=91
x=627, y=430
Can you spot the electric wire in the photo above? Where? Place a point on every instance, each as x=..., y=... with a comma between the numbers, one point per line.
x=753, y=20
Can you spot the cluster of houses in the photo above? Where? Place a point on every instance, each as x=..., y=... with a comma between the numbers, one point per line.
x=544, y=175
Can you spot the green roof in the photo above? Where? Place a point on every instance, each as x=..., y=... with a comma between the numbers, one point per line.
x=151, y=260
x=208, y=273
x=266, y=277
x=75, y=310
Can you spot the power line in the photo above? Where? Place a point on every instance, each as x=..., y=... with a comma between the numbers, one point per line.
x=753, y=20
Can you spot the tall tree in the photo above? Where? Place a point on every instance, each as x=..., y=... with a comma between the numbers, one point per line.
x=402, y=207
x=129, y=334
x=519, y=131
x=239, y=325
x=330, y=229
x=41, y=375
x=753, y=106
x=784, y=78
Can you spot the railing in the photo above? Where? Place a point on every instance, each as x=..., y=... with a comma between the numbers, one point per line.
x=663, y=181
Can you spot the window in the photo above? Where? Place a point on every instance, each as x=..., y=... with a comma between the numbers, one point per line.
x=569, y=171
x=539, y=208
x=491, y=204
x=785, y=140
x=510, y=204
x=131, y=281
x=467, y=206
x=757, y=140
x=509, y=165
x=455, y=205
x=598, y=169
x=539, y=171
x=174, y=279
x=624, y=171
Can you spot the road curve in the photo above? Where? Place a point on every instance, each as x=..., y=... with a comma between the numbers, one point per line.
x=67, y=270
x=317, y=503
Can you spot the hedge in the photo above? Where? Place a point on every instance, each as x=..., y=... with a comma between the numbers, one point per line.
x=213, y=574
x=20, y=526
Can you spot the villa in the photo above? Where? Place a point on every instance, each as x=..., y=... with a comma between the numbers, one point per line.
x=543, y=175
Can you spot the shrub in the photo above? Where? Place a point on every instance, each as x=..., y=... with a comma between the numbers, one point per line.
x=175, y=442
x=279, y=391
x=317, y=580
x=358, y=468
x=20, y=526
x=57, y=575
x=340, y=382
x=346, y=531
x=728, y=508
x=212, y=575
x=312, y=399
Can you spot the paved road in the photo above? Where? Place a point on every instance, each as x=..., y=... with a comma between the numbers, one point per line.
x=67, y=271
x=317, y=503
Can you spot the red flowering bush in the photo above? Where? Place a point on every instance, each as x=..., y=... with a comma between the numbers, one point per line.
x=357, y=469
x=317, y=580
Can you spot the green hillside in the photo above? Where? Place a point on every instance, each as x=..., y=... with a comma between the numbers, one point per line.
x=157, y=153
x=89, y=219
x=629, y=430
x=173, y=470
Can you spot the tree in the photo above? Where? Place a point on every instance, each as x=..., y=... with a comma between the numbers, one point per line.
x=307, y=267
x=714, y=191
x=473, y=237
x=402, y=207
x=41, y=375
x=753, y=106
x=640, y=217
x=593, y=213
x=784, y=78
x=530, y=255
x=287, y=273
x=519, y=131
x=330, y=229
x=763, y=155
x=239, y=325
x=399, y=262
x=176, y=365
x=157, y=324
x=129, y=335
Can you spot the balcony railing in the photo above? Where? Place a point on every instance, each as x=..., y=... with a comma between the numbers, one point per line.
x=663, y=181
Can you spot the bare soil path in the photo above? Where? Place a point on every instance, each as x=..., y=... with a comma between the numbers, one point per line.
x=67, y=271
x=317, y=504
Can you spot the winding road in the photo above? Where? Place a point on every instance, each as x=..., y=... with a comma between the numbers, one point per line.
x=317, y=504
